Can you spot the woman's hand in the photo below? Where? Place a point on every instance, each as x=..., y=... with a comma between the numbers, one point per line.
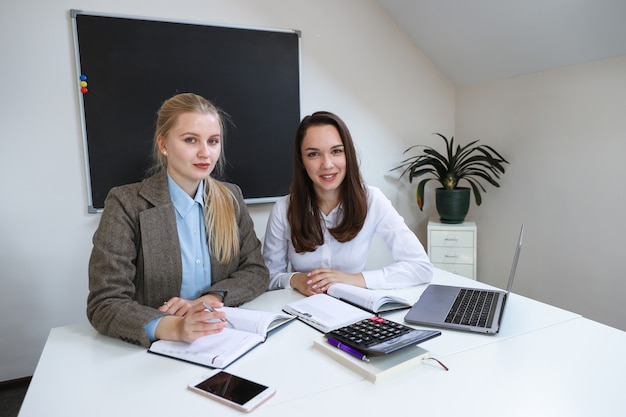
x=299, y=282
x=196, y=322
x=176, y=306
x=179, y=306
x=318, y=280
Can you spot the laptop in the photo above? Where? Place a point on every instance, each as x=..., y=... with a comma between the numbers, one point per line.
x=463, y=308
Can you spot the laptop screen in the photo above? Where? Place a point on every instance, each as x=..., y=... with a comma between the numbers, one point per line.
x=515, y=259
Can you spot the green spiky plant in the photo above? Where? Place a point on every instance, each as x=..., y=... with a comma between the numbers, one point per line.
x=470, y=163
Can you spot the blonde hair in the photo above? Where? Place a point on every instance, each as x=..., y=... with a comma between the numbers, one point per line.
x=220, y=205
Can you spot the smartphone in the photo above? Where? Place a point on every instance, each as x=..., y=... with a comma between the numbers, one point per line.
x=233, y=390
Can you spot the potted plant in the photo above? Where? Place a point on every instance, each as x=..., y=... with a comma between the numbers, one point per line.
x=471, y=163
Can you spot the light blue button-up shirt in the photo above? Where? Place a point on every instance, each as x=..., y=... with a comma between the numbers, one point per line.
x=193, y=243
x=194, y=249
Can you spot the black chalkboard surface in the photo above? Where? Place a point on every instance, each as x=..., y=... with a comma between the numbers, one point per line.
x=131, y=65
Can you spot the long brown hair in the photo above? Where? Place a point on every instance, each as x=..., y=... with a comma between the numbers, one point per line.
x=303, y=213
x=219, y=203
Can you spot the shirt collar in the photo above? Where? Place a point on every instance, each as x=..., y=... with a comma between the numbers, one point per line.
x=334, y=214
x=181, y=200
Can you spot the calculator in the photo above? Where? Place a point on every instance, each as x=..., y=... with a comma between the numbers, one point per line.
x=377, y=336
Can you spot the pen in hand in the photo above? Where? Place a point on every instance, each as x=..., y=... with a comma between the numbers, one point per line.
x=211, y=309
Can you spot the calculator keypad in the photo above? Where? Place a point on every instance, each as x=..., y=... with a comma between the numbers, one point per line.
x=370, y=332
x=378, y=336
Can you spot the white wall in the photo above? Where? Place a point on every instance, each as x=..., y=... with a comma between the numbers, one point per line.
x=355, y=62
x=564, y=132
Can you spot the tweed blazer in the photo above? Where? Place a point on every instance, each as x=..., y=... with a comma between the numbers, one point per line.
x=135, y=263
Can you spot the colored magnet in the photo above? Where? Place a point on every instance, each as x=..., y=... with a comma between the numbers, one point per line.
x=84, y=90
x=83, y=77
x=83, y=83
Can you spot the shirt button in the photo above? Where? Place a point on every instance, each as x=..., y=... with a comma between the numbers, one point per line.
x=197, y=261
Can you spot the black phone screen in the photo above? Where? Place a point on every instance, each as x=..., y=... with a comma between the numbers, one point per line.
x=231, y=387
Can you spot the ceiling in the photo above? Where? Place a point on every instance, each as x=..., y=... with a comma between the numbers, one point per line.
x=476, y=41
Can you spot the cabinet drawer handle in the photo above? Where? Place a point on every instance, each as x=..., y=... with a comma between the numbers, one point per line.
x=452, y=238
x=454, y=255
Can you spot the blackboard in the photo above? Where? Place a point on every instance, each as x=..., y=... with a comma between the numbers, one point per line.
x=130, y=65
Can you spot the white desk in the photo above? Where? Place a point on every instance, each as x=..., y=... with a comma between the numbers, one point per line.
x=571, y=369
x=543, y=359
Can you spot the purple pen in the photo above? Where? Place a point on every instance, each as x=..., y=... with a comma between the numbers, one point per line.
x=347, y=349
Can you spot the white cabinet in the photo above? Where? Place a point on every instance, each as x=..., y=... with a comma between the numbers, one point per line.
x=452, y=247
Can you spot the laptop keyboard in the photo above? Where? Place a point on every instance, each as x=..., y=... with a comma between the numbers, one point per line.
x=378, y=336
x=472, y=308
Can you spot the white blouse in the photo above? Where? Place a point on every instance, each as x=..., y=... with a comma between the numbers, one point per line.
x=410, y=266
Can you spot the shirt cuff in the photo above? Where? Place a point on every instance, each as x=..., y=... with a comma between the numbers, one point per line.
x=220, y=293
x=150, y=328
x=374, y=279
x=287, y=282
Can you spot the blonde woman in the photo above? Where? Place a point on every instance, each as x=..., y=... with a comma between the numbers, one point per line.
x=178, y=239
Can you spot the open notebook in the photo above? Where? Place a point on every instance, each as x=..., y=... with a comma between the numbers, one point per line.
x=250, y=328
x=343, y=304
